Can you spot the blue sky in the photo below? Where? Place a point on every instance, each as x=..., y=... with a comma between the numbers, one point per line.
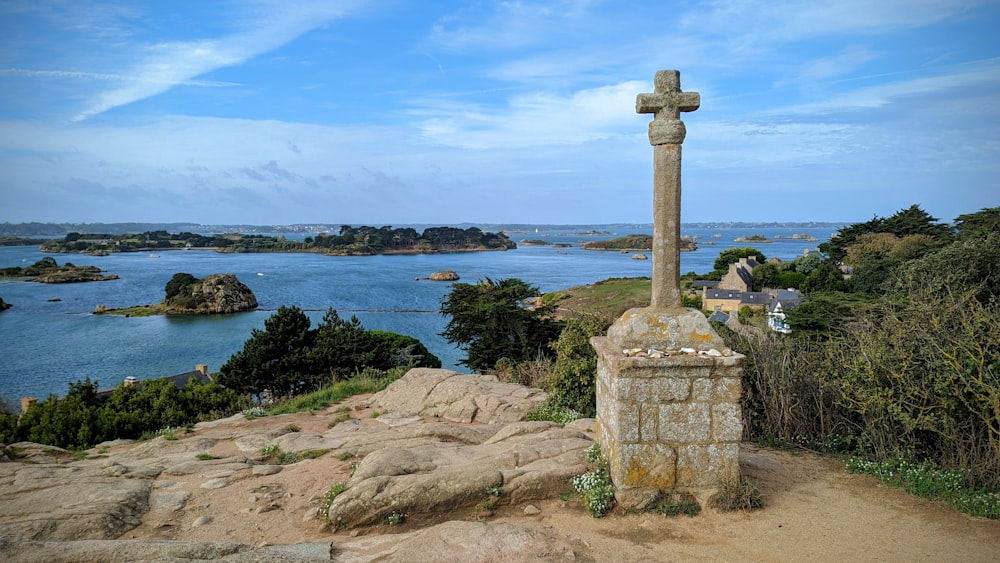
x=394, y=111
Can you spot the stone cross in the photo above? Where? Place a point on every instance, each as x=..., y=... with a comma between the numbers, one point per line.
x=666, y=133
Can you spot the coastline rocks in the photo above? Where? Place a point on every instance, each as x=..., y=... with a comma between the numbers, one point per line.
x=222, y=293
x=444, y=275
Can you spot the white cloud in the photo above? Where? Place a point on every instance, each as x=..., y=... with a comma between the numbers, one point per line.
x=539, y=118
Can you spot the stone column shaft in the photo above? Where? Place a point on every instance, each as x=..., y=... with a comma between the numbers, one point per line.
x=667, y=218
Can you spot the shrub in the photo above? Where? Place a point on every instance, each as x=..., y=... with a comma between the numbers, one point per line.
x=575, y=369
x=595, y=487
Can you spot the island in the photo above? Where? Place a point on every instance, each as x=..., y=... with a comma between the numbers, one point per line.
x=635, y=242
x=47, y=270
x=188, y=295
x=350, y=241
x=752, y=238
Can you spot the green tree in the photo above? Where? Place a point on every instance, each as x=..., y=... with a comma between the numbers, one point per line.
x=492, y=320
x=765, y=275
x=978, y=224
x=911, y=221
x=274, y=359
x=180, y=284
x=341, y=347
x=399, y=350
x=824, y=278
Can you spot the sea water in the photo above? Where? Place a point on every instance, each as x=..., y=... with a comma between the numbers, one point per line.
x=50, y=338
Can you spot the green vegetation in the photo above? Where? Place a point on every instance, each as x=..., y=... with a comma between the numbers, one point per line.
x=925, y=481
x=610, y=297
x=897, y=363
x=493, y=320
x=84, y=418
x=731, y=256
x=350, y=241
x=331, y=495
x=289, y=358
x=679, y=504
x=635, y=242
x=595, y=487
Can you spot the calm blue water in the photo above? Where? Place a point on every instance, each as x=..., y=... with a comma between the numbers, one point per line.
x=44, y=345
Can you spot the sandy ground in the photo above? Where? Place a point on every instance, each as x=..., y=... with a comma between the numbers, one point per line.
x=814, y=511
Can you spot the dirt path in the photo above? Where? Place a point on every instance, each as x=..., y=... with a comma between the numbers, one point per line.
x=814, y=511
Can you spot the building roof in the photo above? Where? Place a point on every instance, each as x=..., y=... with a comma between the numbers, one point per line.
x=787, y=299
x=718, y=316
x=181, y=379
x=747, y=297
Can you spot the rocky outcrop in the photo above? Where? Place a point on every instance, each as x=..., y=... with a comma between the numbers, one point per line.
x=47, y=270
x=444, y=275
x=221, y=293
x=435, y=441
x=457, y=397
x=216, y=294
x=64, y=502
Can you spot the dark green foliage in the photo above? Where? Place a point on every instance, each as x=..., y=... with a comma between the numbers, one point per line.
x=806, y=264
x=275, y=359
x=911, y=221
x=575, y=369
x=787, y=280
x=289, y=358
x=84, y=418
x=394, y=350
x=971, y=264
x=765, y=275
x=824, y=278
x=905, y=367
x=180, y=284
x=492, y=320
x=350, y=240
x=979, y=224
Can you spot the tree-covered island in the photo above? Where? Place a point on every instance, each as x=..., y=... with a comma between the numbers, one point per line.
x=350, y=241
x=636, y=242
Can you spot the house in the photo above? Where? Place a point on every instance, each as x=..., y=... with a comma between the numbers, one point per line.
x=732, y=300
x=784, y=300
x=199, y=374
x=740, y=274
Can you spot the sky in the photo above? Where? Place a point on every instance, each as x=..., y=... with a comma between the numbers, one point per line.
x=392, y=112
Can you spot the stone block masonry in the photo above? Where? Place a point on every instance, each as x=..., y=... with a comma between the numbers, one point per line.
x=672, y=423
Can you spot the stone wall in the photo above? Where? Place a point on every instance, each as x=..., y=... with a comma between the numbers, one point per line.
x=673, y=423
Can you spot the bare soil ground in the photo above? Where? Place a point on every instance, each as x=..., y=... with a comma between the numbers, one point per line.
x=814, y=511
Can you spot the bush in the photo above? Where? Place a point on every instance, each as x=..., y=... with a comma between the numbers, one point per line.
x=575, y=369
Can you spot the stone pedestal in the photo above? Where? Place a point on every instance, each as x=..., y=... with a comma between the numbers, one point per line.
x=671, y=423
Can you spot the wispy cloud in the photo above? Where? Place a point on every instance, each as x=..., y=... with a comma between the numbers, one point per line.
x=79, y=75
x=162, y=66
